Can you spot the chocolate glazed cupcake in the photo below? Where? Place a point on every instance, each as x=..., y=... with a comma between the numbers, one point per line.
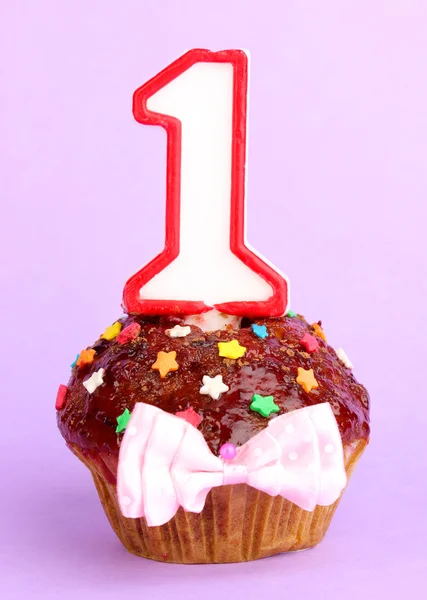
x=272, y=367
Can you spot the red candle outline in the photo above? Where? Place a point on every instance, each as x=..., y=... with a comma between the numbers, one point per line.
x=277, y=303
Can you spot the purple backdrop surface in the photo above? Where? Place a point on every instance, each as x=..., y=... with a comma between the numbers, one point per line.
x=337, y=199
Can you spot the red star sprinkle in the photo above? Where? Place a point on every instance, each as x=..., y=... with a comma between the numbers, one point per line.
x=309, y=342
x=129, y=333
x=60, y=397
x=190, y=416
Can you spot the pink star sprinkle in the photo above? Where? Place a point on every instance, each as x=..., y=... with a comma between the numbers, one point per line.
x=60, y=397
x=309, y=342
x=190, y=416
x=129, y=333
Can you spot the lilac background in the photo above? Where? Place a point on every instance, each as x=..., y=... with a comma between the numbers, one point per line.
x=337, y=193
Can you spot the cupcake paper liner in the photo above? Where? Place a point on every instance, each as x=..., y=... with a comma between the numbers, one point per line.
x=238, y=523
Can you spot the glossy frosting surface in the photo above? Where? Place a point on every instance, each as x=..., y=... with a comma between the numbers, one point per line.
x=269, y=367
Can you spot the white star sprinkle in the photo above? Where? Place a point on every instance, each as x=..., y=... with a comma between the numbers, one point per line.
x=94, y=381
x=178, y=331
x=213, y=386
x=344, y=358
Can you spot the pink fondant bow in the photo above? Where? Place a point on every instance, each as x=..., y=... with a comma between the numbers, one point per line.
x=166, y=463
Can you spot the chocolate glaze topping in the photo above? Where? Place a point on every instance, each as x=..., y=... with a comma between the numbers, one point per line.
x=269, y=367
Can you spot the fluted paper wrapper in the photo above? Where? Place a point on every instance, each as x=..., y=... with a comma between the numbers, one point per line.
x=238, y=523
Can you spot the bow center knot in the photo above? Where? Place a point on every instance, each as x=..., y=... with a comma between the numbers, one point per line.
x=234, y=473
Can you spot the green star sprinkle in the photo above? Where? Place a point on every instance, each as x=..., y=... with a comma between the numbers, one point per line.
x=264, y=405
x=291, y=313
x=123, y=420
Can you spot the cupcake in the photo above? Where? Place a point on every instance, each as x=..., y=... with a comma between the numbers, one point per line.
x=214, y=439
x=215, y=428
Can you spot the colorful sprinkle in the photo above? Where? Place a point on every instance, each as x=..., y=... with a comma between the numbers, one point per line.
x=260, y=330
x=319, y=331
x=213, y=386
x=291, y=313
x=129, y=333
x=165, y=363
x=111, y=332
x=231, y=349
x=228, y=451
x=178, y=331
x=60, y=396
x=309, y=342
x=85, y=357
x=123, y=420
x=264, y=405
x=190, y=416
x=306, y=379
x=94, y=381
x=344, y=358
x=73, y=364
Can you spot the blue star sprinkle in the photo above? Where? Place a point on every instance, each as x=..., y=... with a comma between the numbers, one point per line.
x=75, y=362
x=260, y=330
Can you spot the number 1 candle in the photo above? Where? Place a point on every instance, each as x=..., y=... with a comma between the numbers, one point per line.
x=201, y=102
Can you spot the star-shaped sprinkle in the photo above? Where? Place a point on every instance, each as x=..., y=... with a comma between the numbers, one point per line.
x=264, y=405
x=190, y=416
x=260, y=330
x=129, y=333
x=213, y=386
x=94, y=381
x=123, y=420
x=111, y=332
x=60, y=396
x=178, y=331
x=165, y=363
x=85, y=357
x=73, y=364
x=319, y=331
x=291, y=313
x=231, y=349
x=309, y=342
x=344, y=358
x=306, y=379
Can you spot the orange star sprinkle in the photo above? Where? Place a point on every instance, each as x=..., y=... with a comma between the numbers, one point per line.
x=306, y=379
x=319, y=331
x=85, y=357
x=165, y=362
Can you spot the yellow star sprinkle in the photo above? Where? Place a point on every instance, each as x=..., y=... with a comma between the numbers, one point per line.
x=165, y=362
x=319, y=331
x=111, y=332
x=231, y=349
x=306, y=379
